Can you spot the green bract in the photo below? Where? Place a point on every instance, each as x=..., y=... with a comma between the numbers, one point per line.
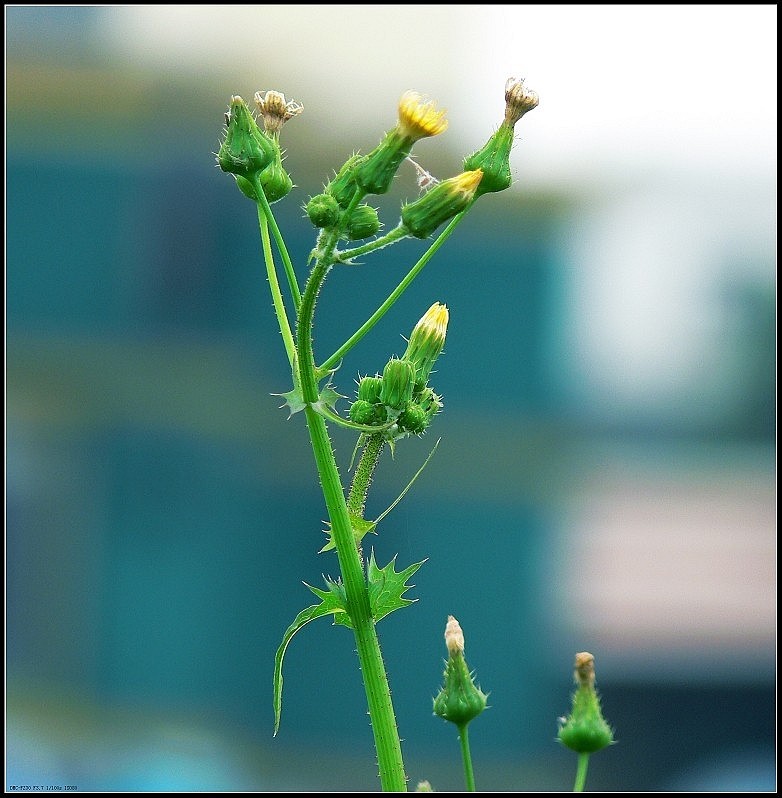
x=246, y=150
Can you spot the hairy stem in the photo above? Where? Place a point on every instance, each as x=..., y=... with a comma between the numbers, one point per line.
x=464, y=741
x=279, y=304
x=381, y=711
x=365, y=469
x=581, y=772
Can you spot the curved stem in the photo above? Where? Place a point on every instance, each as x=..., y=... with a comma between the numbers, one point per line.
x=393, y=296
x=279, y=304
x=263, y=205
x=581, y=772
x=398, y=233
x=464, y=740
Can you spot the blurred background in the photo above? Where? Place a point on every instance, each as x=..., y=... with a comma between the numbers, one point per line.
x=606, y=476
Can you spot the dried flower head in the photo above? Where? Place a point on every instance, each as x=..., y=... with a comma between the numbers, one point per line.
x=518, y=100
x=584, y=673
x=454, y=637
x=275, y=110
x=419, y=118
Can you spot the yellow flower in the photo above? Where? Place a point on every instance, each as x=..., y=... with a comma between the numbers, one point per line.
x=419, y=118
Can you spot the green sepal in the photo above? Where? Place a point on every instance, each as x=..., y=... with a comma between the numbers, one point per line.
x=386, y=587
x=333, y=601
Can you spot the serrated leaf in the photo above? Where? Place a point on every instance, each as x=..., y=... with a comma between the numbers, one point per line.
x=294, y=401
x=386, y=587
x=329, y=397
x=360, y=528
x=332, y=602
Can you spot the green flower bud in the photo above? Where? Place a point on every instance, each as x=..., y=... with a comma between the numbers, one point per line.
x=343, y=186
x=362, y=412
x=427, y=341
x=494, y=158
x=323, y=210
x=585, y=730
x=413, y=419
x=275, y=180
x=369, y=389
x=460, y=700
x=377, y=170
x=364, y=222
x=418, y=118
x=430, y=403
x=422, y=217
x=494, y=161
x=398, y=382
x=246, y=187
x=246, y=150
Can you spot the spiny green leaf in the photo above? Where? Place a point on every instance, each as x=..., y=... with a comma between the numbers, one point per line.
x=329, y=397
x=386, y=587
x=333, y=601
x=360, y=528
x=294, y=400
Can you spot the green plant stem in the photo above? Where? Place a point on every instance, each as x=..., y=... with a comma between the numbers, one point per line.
x=277, y=300
x=381, y=711
x=398, y=233
x=263, y=205
x=581, y=772
x=362, y=478
x=464, y=740
x=393, y=296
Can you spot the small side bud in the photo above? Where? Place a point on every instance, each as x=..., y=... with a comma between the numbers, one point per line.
x=344, y=186
x=323, y=210
x=413, y=419
x=585, y=730
x=398, y=383
x=422, y=217
x=460, y=700
x=364, y=222
x=275, y=180
x=363, y=412
x=369, y=389
x=424, y=786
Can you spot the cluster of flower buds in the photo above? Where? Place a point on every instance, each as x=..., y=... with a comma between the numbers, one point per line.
x=253, y=156
x=585, y=730
x=460, y=700
x=401, y=393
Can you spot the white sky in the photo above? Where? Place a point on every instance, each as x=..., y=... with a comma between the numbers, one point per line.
x=622, y=87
